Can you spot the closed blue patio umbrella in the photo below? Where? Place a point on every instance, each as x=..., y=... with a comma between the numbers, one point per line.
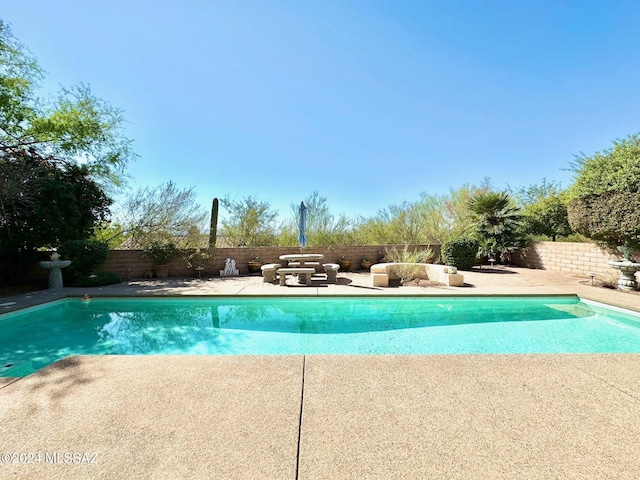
x=302, y=225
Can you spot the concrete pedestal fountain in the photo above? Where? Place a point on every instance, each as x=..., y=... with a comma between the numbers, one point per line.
x=55, y=266
x=628, y=269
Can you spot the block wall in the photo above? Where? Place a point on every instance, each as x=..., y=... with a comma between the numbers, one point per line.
x=570, y=257
x=128, y=264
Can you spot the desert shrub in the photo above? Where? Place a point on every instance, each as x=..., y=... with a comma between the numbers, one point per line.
x=405, y=255
x=460, y=253
x=407, y=271
x=610, y=281
x=85, y=256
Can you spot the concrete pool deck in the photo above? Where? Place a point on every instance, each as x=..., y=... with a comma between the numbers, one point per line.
x=484, y=281
x=316, y=416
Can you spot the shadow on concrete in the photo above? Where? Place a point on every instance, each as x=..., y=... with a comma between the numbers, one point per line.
x=366, y=287
x=490, y=270
x=57, y=381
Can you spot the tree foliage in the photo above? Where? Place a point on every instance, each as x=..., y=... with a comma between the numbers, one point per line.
x=457, y=217
x=548, y=217
x=71, y=127
x=532, y=194
x=322, y=226
x=498, y=224
x=434, y=219
x=112, y=234
x=85, y=256
x=611, y=219
x=51, y=206
x=58, y=154
x=249, y=222
x=616, y=169
x=604, y=198
x=396, y=224
x=43, y=206
x=544, y=209
x=162, y=214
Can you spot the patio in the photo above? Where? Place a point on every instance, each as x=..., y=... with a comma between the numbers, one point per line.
x=484, y=281
x=469, y=416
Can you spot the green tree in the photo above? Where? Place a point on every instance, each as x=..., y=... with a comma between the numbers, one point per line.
x=322, y=226
x=396, y=224
x=85, y=256
x=605, y=196
x=162, y=214
x=70, y=127
x=372, y=231
x=61, y=204
x=497, y=222
x=544, y=208
x=611, y=219
x=52, y=206
x=532, y=194
x=58, y=154
x=434, y=219
x=250, y=222
x=616, y=169
x=456, y=218
x=111, y=233
x=548, y=217
x=405, y=223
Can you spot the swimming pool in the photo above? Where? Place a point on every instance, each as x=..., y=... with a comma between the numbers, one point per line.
x=33, y=338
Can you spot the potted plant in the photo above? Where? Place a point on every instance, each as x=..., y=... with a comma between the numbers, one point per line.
x=160, y=254
x=365, y=263
x=382, y=257
x=198, y=260
x=255, y=264
x=345, y=265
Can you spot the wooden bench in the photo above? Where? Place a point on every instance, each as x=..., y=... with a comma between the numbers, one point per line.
x=304, y=274
x=332, y=271
x=269, y=272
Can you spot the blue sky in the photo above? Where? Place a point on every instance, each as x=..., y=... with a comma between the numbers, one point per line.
x=368, y=102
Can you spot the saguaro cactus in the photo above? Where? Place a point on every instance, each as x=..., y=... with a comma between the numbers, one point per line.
x=213, y=231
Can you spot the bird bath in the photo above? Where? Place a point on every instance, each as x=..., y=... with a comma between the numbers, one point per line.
x=55, y=266
x=628, y=269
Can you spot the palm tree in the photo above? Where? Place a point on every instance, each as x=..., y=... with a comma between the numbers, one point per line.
x=497, y=221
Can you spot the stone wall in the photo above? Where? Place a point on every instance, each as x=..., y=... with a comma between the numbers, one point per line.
x=128, y=264
x=570, y=257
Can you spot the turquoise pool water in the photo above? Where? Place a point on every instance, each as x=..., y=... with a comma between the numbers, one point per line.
x=33, y=338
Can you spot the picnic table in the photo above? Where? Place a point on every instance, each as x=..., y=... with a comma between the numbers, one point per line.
x=301, y=259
